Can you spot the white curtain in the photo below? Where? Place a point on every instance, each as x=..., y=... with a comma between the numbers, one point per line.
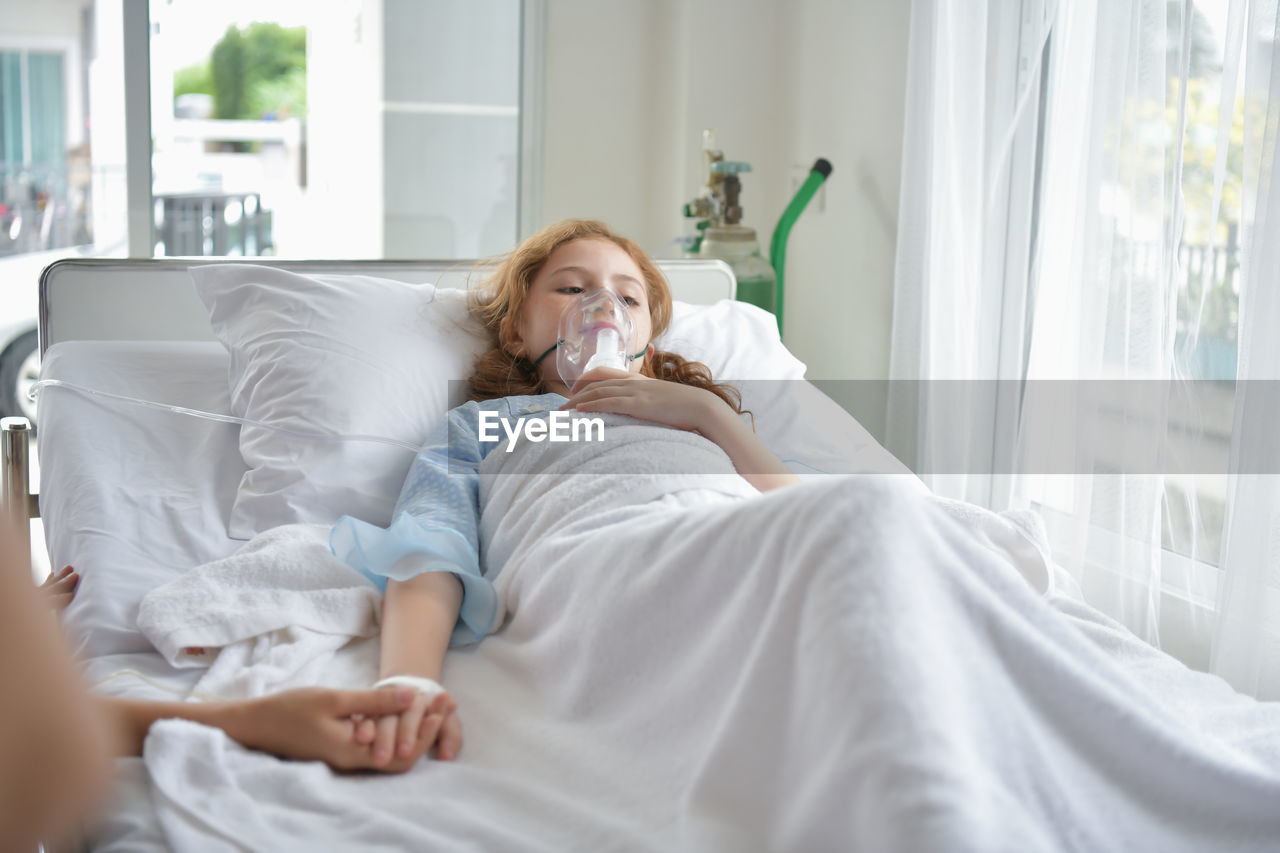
x=1070, y=194
x=1246, y=638
x=1106, y=308
x=961, y=256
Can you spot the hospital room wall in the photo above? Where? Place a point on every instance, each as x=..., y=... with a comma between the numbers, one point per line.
x=629, y=87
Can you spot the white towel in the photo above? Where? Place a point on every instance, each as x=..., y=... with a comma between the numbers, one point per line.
x=272, y=615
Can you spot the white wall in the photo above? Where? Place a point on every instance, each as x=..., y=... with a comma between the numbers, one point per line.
x=608, y=118
x=630, y=86
x=107, y=129
x=344, y=129
x=451, y=89
x=45, y=18
x=412, y=127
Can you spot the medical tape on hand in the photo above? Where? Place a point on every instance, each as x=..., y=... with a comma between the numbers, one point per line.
x=428, y=687
x=214, y=416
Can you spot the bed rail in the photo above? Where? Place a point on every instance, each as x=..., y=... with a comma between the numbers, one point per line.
x=18, y=504
x=16, y=501
x=154, y=299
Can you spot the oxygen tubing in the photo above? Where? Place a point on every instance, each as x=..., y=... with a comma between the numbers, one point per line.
x=778, y=243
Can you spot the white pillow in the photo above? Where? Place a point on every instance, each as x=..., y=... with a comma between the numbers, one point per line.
x=333, y=354
x=358, y=355
x=737, y=340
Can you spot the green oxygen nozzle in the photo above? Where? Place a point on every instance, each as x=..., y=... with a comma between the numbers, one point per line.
x=778, y=243
x=730, y=167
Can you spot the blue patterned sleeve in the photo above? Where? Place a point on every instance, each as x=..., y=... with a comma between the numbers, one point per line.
x=434, y=527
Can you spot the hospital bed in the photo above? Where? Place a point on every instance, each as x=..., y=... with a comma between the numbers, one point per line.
x=819, y=720
x=136, y=495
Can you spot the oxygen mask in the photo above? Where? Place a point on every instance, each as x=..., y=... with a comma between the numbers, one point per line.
x=594, y=332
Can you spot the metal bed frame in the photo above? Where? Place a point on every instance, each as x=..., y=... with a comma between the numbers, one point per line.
x=16, y=500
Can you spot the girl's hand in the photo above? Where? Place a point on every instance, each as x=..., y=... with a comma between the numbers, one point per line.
x=684, y=407
x=670, y=403
x=395, y=739
x=58, y=589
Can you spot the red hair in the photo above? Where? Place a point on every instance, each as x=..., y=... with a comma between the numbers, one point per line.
x=499, y=300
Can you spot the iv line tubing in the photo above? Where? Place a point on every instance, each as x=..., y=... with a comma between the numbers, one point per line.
x=232, y=419
x=214, y=416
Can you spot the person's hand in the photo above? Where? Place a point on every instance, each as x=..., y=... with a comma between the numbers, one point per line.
x=59, y=588
x=599, y=374
x=315, y=723
x=670, y=403
x=395, y=738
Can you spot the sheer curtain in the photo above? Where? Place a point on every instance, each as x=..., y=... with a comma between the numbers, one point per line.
x=1107, y=301
x=1076, y=222
x=1246, y=638
x=963, y=233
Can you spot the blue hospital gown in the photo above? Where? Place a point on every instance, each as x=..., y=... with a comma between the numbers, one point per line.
x=435, y=526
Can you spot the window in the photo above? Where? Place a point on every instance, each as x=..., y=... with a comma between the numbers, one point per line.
x=1137, y=280
x=335, y=129
x=40, y=206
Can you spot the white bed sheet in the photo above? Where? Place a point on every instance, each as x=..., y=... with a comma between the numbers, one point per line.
x=134, y=497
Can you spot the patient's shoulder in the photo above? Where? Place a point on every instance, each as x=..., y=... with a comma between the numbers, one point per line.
x=515, y=405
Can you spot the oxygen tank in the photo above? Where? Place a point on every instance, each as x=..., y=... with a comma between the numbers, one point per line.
x=721, y=234
x=737, y=245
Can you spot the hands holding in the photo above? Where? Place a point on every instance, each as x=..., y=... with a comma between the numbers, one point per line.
x=401, y=737
x=386, y=729
x=349, y=729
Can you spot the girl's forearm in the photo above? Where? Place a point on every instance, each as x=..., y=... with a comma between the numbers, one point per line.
x=754, y=461
x=418, y=616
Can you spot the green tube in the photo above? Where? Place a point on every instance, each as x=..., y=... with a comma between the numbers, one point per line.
x=778, y=243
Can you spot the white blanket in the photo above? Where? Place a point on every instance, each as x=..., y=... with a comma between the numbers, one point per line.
x=844, y=664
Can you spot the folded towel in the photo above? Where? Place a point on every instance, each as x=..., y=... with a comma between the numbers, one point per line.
x=271, y=615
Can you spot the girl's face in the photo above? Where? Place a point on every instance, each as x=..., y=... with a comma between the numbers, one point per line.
x=574, y=268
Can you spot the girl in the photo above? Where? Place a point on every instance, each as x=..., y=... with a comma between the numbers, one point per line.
x=429, y=558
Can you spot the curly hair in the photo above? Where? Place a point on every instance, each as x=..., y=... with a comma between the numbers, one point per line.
x=499, y=300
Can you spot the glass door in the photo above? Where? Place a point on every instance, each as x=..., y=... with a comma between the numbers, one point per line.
x=358, y=129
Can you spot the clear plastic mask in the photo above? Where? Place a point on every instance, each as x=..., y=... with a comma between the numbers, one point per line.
x=595, y=332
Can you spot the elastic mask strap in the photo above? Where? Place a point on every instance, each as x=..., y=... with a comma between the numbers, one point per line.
x=550, y=350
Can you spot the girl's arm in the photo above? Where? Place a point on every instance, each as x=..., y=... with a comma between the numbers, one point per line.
x=436, y=516
x=418, y=616
x=755, y=462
